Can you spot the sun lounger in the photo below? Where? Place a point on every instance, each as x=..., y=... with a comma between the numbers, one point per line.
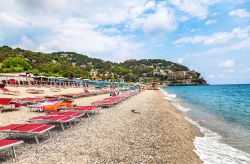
x=85, y=109
x=6, y=144
x=39, y=107
x=68, y=114
x=54, y=97
x=51, y=105
x=31, y=100
x=55, y=89
x=33, y=130
x=56, y=107
x=9, y=92
x=35, y=91
x=51, y=119
x=6, y=103
x=72, y=95
x=108, y=102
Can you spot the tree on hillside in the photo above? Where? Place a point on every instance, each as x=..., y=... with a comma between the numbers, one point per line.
x=15, y=64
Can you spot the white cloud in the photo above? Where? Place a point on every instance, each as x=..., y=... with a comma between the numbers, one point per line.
x=194, y=8
x=159, y=23
x=210, y=22
x=80, y=25
x=80, y=36
x=242, y=13
x=227, y=64
x=241, y=47
x=11, y=20
x=216, y=38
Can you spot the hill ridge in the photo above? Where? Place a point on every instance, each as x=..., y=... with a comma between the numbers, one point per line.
x=72, y=64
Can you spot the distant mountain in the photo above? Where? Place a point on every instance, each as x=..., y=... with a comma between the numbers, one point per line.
x=71, y=64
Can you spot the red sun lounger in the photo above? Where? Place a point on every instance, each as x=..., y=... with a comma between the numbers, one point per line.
x=68, y=114
x=5, y=144
x=48, y=119
x=84, y=109
x=35, y=91
x=72, y=95
x=31, y=100
x=108, y=102
x=10, y=92
x=6, y=103
x=33, y=130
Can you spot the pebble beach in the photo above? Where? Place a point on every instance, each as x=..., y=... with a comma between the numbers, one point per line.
x=156, y=132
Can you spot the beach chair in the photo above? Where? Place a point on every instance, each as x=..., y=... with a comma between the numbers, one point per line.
x=85, y=109
x=77, y=115
x=12, y=82
x=24, y=130
x=69, y=114
x=108, y=102
x=2, y=85
x=40, y=107
x=6, y=144
x=6, y=103
x=59, y=105
x=58, y=119
x=55, y=89
x=72, y=95
x=9, y=92
x=35, y=91
x=54, y=97
x=30, y=100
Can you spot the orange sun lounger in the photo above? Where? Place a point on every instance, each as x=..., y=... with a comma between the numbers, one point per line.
x=58, y=106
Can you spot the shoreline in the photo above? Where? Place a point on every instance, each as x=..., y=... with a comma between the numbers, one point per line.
x=157, y=133
x=209, y=144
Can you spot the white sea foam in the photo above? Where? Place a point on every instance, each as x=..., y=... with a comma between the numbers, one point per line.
x=168, y=96
x=172, y=98
x=209, y=147
x=212, y=151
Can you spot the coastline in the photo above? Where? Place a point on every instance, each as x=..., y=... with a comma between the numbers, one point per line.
x=157, y=133
x=210, y=145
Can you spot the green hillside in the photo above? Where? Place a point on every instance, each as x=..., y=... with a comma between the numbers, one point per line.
x=71, y=64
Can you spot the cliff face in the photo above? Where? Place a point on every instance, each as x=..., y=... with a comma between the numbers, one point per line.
x=71, y=64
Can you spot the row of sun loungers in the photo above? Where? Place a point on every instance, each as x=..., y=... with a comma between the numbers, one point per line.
x=16, y=83
x=40, y=126
x=111, y=101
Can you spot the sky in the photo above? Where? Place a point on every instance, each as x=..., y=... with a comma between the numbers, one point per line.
x=209, y=36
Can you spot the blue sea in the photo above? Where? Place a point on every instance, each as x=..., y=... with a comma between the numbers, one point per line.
x=222, y=115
